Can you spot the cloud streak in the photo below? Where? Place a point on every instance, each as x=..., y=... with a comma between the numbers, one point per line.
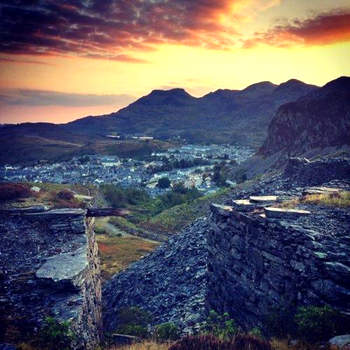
x=119, y=30
x=322, y=29
x=27, y=97
x=109, y=29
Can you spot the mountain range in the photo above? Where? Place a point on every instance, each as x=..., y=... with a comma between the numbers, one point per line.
x=292, y=115
x=240, y=116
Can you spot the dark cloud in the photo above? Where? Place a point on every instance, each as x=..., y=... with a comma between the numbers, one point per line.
x=22, y=97
x=323, y=29
x=96, y=28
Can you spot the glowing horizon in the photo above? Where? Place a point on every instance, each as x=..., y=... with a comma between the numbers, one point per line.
x=109, y=55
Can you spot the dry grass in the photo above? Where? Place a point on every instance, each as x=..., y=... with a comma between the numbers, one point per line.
x=147, y=345
x=336, y=200
x=276, y=344
x=48, y=196
x=289, y=204
x=117, y=253
x=279, y=344
x=340, y=200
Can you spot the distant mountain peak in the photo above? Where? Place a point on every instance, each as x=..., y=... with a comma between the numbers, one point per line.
x=257, y=89
x=341, y=82
x=175, y=91
x=176, y=96
x=292, y=82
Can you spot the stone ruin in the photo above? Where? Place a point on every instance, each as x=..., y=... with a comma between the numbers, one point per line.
x=262, y=257
x=248, y=258
x=49, y=267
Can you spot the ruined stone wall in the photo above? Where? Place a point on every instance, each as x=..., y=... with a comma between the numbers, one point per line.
x=256, y=264
x=49, y=267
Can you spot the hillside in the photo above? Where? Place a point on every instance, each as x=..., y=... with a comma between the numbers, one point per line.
x=320, y=119
x=240, y=116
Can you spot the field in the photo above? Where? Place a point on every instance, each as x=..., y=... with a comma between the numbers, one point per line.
x=164, y=215
x=116, y=253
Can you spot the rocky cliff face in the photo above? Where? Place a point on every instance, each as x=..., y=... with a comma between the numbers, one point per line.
x=49, y=267
x=304, y=172
x=318, y=120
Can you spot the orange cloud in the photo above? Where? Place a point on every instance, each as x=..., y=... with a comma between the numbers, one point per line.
x=112, y=29
x=323, y=29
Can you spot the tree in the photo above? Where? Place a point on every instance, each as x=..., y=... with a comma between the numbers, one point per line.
x=164, y=182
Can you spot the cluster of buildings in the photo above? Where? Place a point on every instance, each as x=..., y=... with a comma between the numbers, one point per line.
x=99, y=169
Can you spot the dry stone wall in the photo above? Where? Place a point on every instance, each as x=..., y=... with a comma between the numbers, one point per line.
x=257, y=264
x=49, y=267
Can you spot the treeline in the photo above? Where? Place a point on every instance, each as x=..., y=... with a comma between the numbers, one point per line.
x=173, y=163
x=142, y=205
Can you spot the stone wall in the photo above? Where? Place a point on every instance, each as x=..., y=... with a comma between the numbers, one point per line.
x=256, y=264
x=302, y=171
x=49, y=267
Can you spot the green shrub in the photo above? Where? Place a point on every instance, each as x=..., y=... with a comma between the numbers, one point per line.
x=309, y=323
x=221, y=326
x=55, y=335
x=164, y=182
x=279, y=322
x=135, y=330
x=240, y=175
x=133, y=321
x=318, y=323
x=256, y=332
x=65, y=195
x=166, y=331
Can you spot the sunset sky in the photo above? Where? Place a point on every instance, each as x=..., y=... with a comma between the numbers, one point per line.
x=60, y=60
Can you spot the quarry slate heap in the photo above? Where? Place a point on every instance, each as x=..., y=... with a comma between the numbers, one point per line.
x=241, y=261
x=49, y=267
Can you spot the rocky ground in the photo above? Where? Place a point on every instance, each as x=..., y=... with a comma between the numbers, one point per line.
x=172, y=282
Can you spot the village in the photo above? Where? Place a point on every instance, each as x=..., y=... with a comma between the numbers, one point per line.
x=191, y=165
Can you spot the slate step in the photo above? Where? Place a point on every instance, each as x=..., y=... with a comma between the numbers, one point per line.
x=263, y=199
x=284, y=213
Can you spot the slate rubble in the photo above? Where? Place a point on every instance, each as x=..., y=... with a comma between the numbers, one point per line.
x=49, y=267
x=240, y=261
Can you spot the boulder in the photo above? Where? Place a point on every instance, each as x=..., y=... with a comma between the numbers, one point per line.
x=340, y=341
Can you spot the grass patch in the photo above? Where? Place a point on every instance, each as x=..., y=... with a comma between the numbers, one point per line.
x=123, y=223
x=116, y=253
x=164, y=214
x=176, y=218
x=339, y=200
x=335, y=200
x=51, y=195
x=147, y=345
